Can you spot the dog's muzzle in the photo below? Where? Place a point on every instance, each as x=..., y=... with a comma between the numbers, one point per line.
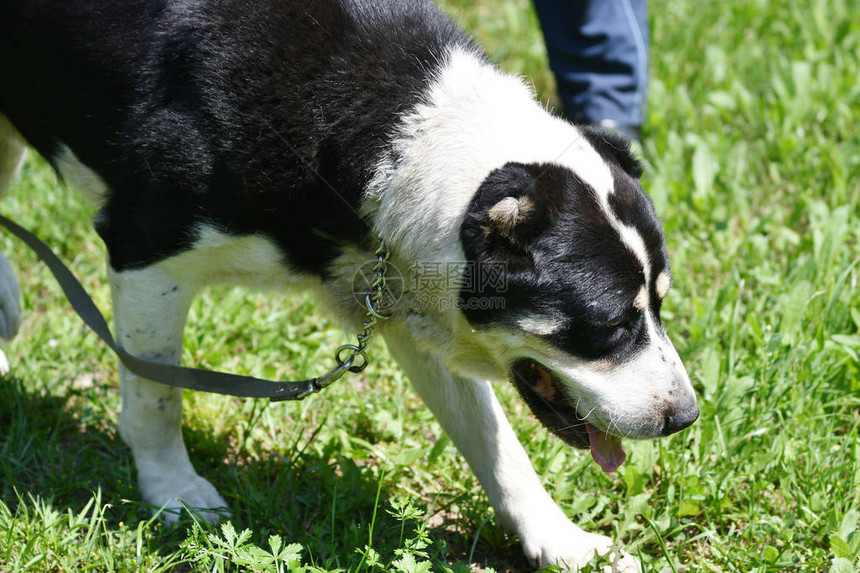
x=551, y=402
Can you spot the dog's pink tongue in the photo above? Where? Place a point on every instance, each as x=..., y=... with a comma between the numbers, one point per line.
x=605, y=449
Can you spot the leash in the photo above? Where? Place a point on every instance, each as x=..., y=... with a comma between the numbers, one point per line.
x=349, y=357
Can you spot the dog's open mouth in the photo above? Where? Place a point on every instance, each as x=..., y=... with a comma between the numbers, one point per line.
x=544, y=394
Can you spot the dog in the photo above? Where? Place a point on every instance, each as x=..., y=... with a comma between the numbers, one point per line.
x=272, y=143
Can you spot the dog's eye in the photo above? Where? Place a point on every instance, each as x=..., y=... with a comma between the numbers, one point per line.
x=619, y=320
x=623, y=319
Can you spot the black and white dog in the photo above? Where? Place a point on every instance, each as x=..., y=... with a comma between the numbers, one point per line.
x=271, y=142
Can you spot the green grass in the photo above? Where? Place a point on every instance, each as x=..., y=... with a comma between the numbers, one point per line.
x=754, y=166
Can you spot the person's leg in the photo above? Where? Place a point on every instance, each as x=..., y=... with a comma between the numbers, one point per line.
x=11, y=156
x=598, y=50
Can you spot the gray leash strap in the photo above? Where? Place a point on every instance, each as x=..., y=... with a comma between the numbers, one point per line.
x=179, y=376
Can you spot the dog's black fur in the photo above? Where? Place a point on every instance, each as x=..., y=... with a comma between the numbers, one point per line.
x=258, y=116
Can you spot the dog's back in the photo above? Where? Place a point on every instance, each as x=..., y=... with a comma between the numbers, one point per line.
x=232, y=106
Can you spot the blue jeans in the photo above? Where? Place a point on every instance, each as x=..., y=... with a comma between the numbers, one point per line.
x=598, y=51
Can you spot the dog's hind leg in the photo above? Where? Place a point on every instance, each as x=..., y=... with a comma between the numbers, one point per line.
x=11, y=156
x=472, y=417
x=150, y=307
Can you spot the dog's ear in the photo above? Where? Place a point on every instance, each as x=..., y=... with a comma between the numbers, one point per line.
x=609, y=144
x=508, y=209
x=510, y=216
x=509, y=212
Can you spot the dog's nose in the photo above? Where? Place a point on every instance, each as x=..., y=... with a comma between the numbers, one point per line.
x=677, y=420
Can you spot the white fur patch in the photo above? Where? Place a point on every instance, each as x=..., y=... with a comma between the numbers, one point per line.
x=508, y=212
x=79, y=176
x=635, y=244
x=540, y=325
x=249, y=260
x=663, y=283
x=641, y=300
x=629, y=235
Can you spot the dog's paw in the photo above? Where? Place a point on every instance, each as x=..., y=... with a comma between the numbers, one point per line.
x=196, y=495
x=562, y=544
x=10, y=300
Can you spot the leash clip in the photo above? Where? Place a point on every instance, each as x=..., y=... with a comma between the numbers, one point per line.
x=346, y=355
x=300, y=390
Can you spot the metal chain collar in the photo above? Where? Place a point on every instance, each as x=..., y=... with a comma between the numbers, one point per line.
x=347, y=355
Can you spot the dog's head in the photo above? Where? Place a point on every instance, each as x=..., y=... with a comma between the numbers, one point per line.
x=585, y=272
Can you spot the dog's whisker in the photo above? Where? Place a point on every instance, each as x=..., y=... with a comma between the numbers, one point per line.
x=587, y=414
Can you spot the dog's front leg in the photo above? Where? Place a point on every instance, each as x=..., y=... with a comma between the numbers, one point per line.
x=469, y=413
x=150, y=308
